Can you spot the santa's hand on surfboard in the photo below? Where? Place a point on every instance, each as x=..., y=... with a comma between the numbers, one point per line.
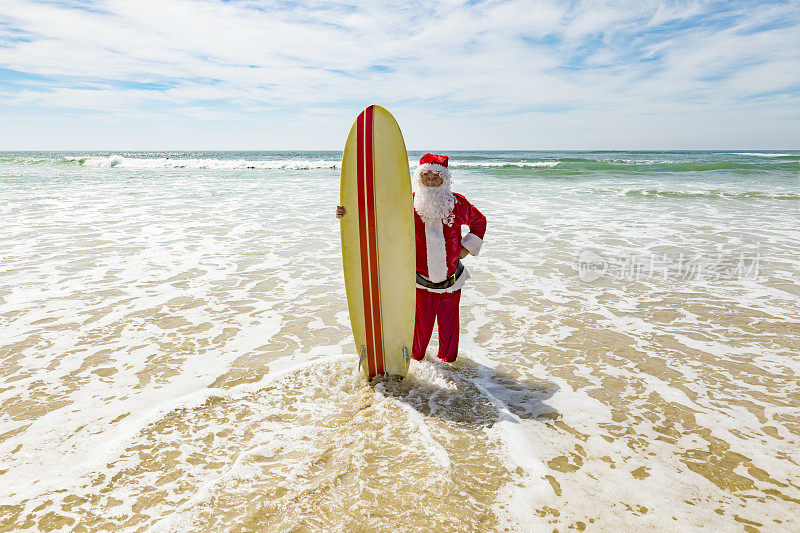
x=341, y=211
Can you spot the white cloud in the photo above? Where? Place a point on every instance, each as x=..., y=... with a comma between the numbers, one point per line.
x=486, y=65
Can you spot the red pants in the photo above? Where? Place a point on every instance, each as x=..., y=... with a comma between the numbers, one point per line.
x=443, y=307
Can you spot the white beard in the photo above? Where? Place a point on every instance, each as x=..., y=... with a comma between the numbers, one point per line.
x=434, y=204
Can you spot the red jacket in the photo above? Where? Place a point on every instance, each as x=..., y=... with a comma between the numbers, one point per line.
x=439, y=245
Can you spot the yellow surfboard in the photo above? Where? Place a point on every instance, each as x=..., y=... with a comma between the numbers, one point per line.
x=378, y=254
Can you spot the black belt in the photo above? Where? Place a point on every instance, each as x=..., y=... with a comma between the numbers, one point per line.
x=449, y=282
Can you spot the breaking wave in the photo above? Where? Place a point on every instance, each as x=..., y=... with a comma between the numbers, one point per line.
x=673, y=166
x=118, y=161
x=758, y=162
x=502, y=164
x=711, y=193
x=762, y=154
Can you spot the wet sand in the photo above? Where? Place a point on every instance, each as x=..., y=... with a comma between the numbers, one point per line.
x=177, y=356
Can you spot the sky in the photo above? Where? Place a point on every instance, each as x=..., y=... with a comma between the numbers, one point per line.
x=263, y=75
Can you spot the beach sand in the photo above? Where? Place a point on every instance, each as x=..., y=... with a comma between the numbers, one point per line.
x=177, y=356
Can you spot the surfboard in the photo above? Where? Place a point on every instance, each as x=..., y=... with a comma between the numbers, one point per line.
x=378, y=247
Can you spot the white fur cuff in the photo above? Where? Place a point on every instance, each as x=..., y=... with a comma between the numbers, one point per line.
x=472, y=243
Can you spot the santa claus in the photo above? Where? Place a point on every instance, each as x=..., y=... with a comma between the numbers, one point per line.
x=439, y=214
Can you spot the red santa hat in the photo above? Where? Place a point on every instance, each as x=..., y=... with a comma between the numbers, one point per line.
x=435, y=162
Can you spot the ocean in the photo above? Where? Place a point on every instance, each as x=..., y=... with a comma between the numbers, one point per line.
x=177, y=355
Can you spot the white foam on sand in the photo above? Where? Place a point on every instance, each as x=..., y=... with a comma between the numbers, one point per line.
x=121, y=304
x=174, y=355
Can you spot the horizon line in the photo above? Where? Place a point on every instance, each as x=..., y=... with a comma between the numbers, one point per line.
x=407, y=150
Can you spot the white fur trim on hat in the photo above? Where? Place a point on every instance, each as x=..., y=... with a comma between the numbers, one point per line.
x=432, y=166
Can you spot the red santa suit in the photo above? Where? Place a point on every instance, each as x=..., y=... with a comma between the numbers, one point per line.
x=439, y=243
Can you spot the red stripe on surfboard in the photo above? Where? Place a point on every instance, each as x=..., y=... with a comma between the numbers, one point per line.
x=363, y=240
x=372, y=236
